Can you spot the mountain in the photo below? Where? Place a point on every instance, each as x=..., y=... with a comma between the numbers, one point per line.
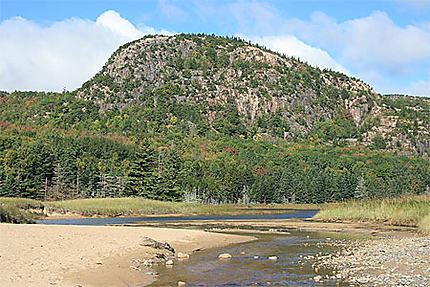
x=211, y=119
x=232, y=87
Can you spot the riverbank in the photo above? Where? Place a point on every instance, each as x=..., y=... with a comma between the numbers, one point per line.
x=42, y=255
x=388, y=261
x=412, y=211
x=393, y=223
x=24, y=210
x=390, y=254
x=395, y=260
x=283, y=226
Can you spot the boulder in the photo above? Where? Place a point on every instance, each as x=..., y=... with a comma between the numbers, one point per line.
x=181, y=255
x=224, y=256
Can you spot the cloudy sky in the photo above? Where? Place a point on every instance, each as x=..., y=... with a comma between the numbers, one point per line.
x=54, y=45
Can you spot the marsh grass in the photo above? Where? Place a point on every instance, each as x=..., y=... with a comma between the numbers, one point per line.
x=22, y=203
x=141, y=206
x=17, y=210
x=131, y=206
x=424, y=225
x=407, y=211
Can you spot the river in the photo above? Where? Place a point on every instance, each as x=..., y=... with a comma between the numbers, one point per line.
x=250, y=264
x=245, y=269
x=290, y=213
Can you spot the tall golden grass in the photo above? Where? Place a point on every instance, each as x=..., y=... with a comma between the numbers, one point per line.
x=141, y=206
x=408, y=211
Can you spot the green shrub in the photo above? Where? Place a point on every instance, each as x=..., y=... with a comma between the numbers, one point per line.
x=12, y=214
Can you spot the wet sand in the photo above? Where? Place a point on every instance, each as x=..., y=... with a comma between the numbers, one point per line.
x=50, y=255
x=285, y=225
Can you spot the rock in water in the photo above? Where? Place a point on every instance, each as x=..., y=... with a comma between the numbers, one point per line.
x=181, y=255
x=224, y=256
x=149, y=242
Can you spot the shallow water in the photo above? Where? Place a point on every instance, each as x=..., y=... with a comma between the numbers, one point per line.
x=205, y=269
x=293, y=213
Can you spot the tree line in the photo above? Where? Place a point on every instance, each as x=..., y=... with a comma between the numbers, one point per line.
x=52, y=165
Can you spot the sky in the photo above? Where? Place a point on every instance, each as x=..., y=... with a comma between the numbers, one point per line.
x=57, y=45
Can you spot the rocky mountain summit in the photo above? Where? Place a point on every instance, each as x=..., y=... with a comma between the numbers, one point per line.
x=229, y=86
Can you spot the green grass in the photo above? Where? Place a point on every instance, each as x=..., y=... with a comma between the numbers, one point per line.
x=118, y=206
x=141, y=206
x=19, y=210
x=22, y=203
x=407, y=211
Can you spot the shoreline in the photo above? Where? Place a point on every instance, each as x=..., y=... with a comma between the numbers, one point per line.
x=285, y=225
x=114, y=255
x=391, y=254
x=244, y=212
x=55, y=255
x=385, y=261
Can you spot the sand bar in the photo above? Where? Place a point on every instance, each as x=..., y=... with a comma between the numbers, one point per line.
x=50, y=255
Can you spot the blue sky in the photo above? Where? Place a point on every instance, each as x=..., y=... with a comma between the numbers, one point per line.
x=52, y=45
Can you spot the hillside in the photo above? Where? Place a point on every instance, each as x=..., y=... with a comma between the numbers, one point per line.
x=214, y=120
x=234, y=88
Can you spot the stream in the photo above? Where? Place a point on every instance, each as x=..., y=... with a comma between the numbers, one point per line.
x=289, y=213
x=250, y=264
x=243, y=269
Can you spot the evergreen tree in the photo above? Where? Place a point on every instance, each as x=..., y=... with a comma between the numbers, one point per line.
x=360, y=190
x=139, y=179
x=58, y=184
x=168, y=175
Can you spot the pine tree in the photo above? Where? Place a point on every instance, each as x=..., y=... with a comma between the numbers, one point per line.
x=139, y=179
x=167, y=175
x=360, y=190
x=58, y=186
x=110, y=185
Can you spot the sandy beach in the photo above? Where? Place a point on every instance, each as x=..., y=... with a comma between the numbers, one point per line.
x=42, y=255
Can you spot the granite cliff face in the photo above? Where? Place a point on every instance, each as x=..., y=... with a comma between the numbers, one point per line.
x=230, y=83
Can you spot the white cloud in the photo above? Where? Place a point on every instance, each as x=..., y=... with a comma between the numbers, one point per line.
x=419, y=88
x=252, y=16
x=372, y=45
x=118, y=25
x=418, y=5
x=63, y=54
x=373, y=42
x=368, y=45
x=170, y=10
x=386, y=85
x=391, y=57
x=291, y=46
x=376, y=40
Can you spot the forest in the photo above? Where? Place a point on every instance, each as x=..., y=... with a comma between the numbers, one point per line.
x=51, y=163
